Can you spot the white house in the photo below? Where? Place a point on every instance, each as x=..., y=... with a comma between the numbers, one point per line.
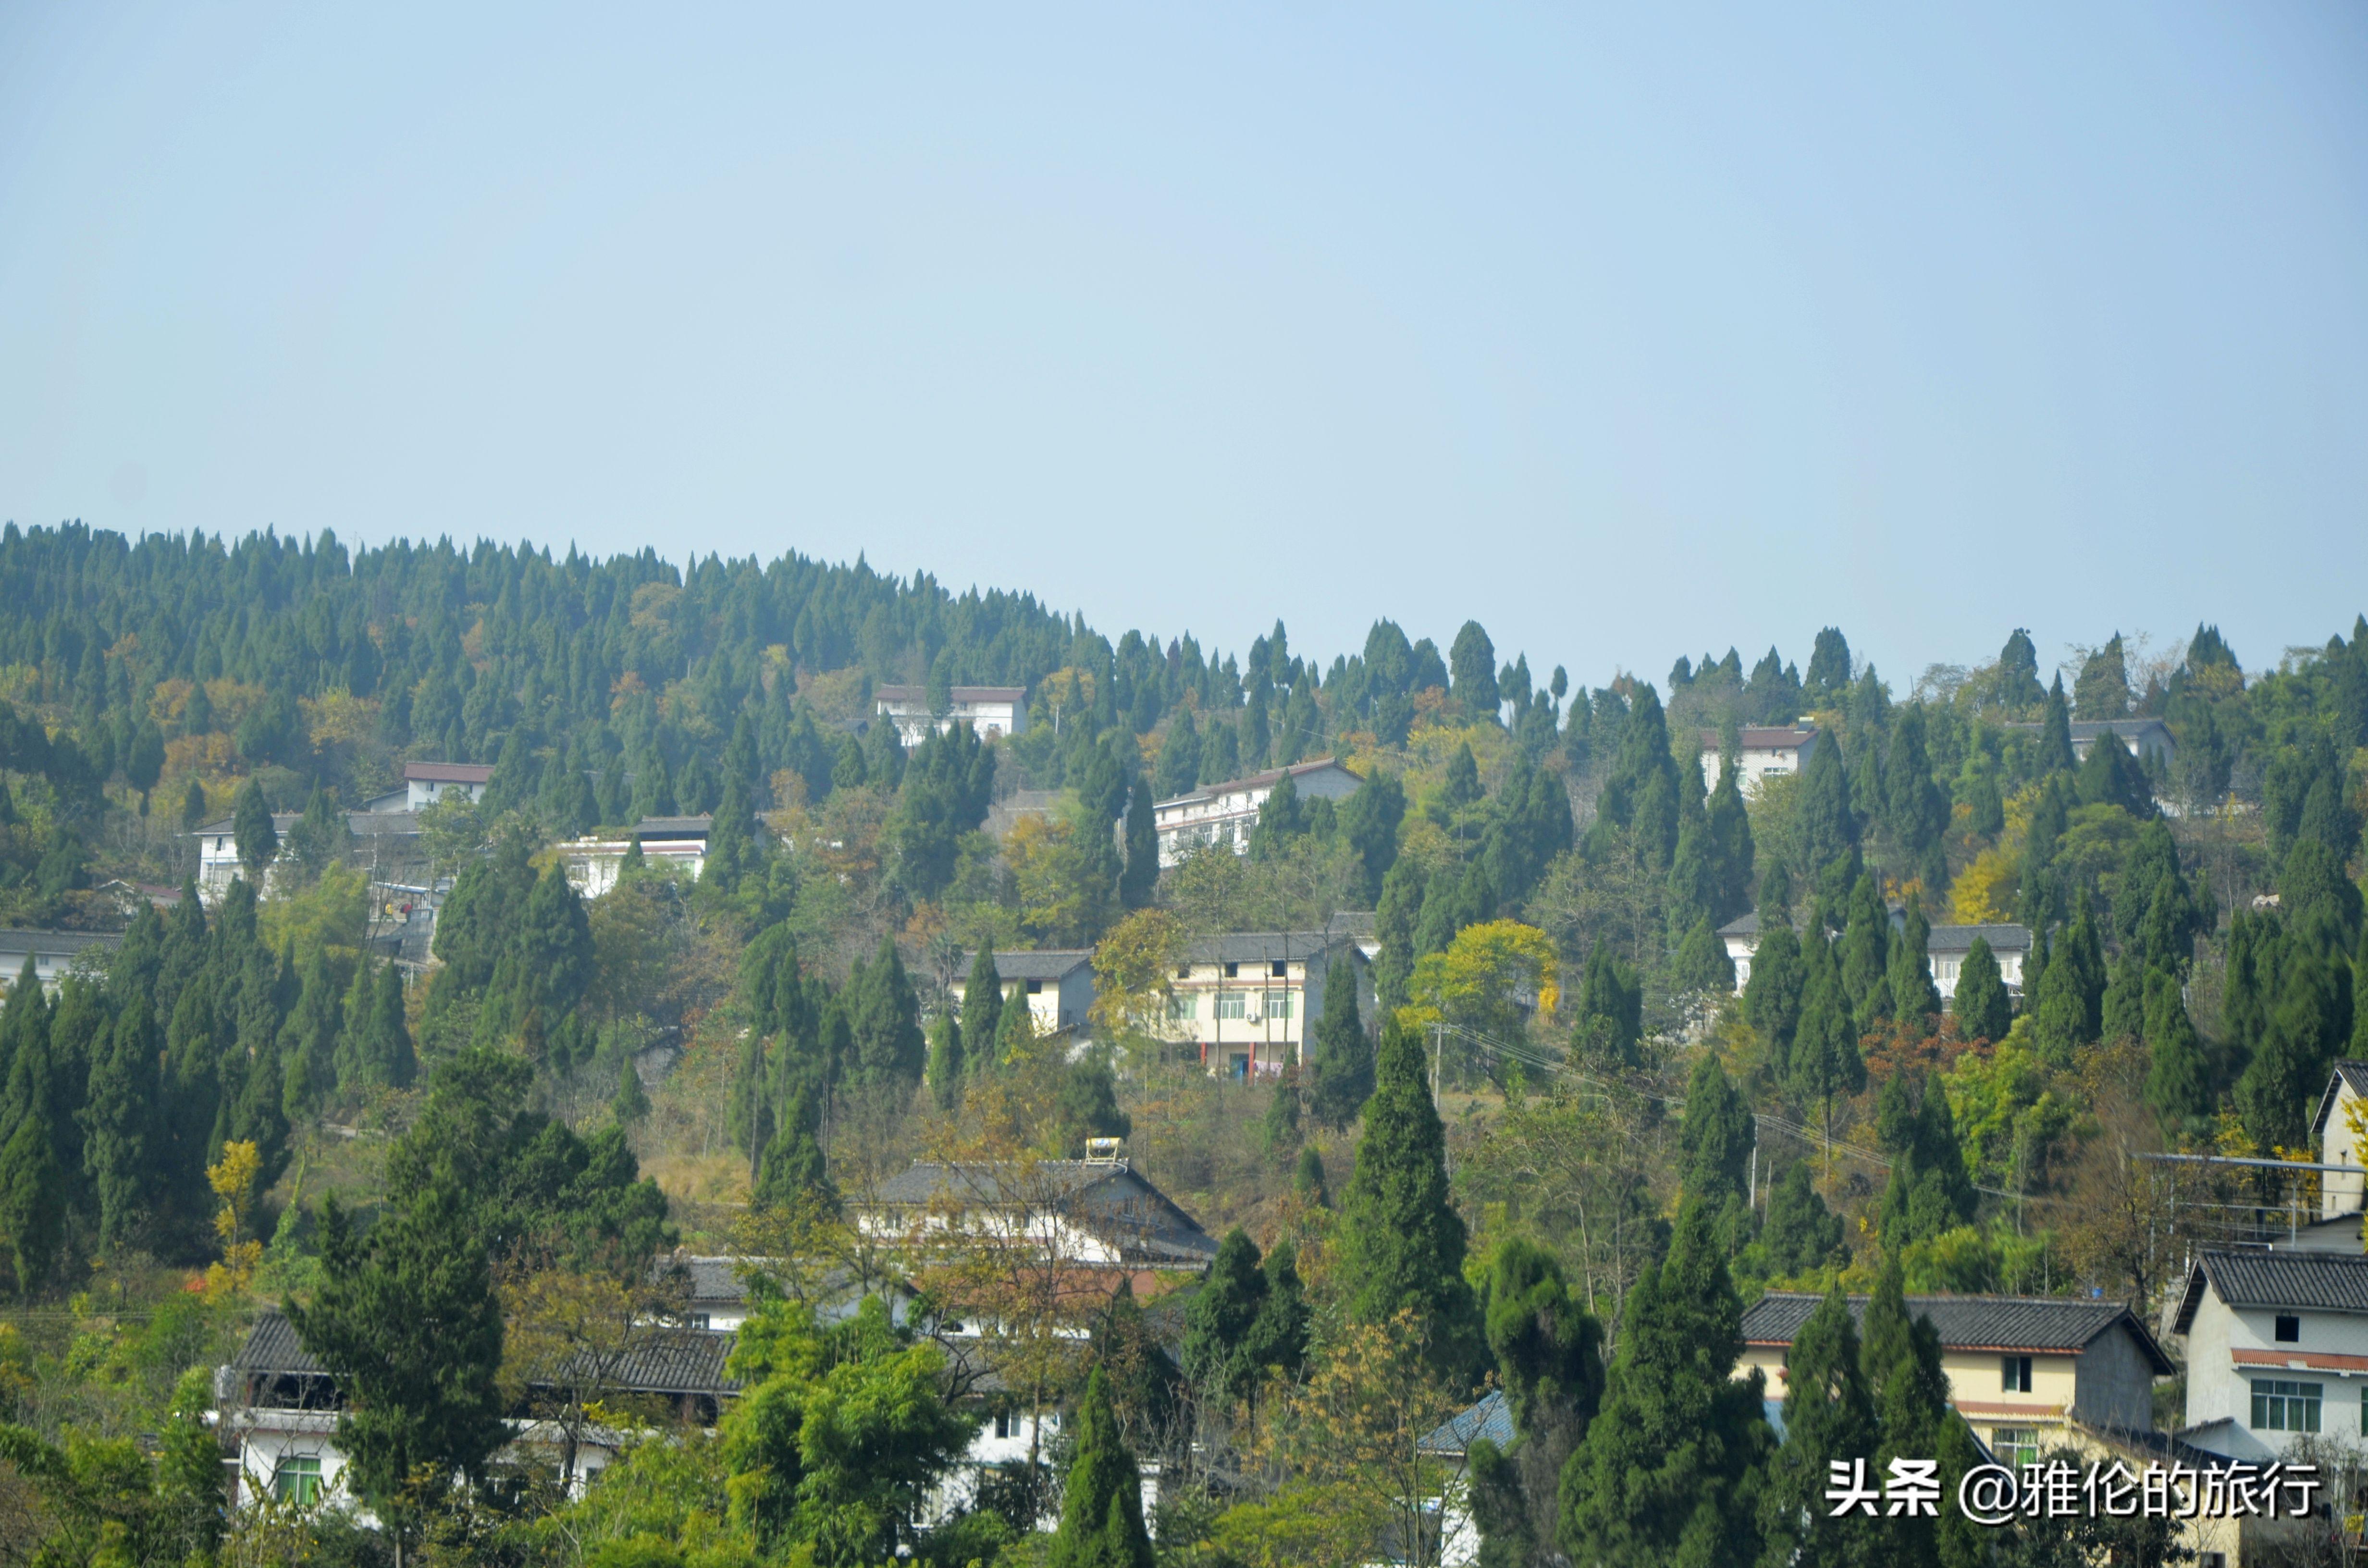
x=1944, y=950
x=2342, y=1195
x=218, y=854
x=1247, y=999
x=1058, y=983
x=594, y=864
x=1763, y=752
x=1226, y=814
x=2277, y=1349
x=54, y=953
x=425, y=783
x=1098, y=1214
x=991, y=711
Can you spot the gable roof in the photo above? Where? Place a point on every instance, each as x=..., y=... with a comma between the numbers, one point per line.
x=1491, y=1418
x=2320, y=1281
x=272, y=1347
x=674, y=827
x=2052, y=1324
x=1035, y=963
x=447, y=772
x=1765, y=737
x=662, y=1360
x=1265, y=947
x=1960, y=938
x=1266, y=780
x=958, y=694
x=2347, y=1072
x=1108, y=1197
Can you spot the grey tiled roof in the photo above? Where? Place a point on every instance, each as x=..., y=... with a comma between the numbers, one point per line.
x=674, y=827
x=2320, y=1281
x=1960, y=938
x=12, y=940
x=2346, y=1071
x=1109, y=1198
x=1969, y=1322
x=272, y=1347
x=677, y=1361
x=1742, y=925
x=1491, y=1418
x=1039, y=963
x=1266, y=780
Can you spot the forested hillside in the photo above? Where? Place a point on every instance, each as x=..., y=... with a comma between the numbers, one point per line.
x=573, y=1085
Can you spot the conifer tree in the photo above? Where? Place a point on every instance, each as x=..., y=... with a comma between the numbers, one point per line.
x=252, y=831
x=946, y=1061
x=1702, y=964
x=632, y=1102
x=1864, y=954
x=1401, y=1240
x=1308, y=1180
x=1340, y=1071
x=1824, y=1062
x=2179, y=1073
x=1729, y=839
x=1217, y=1323
x=1671, y=1469
x=1462, y=787
x=1472, y=662
x=791, y=1170
x=1368, y=821
x=1914, y=810
x=1180, y=757
x=1137, y=882
x=1551, y=1354
x=2018, y=674
x=2110, y=776
x=1911, y=1394
x=1101, y=1501
x=33, y=1187
x=2103, y=689
x=1828, y=677
x=308, y=1043
x=1717, y=1136
x=1826, y=824
x=1607, y=1018
x=2056, y=732
x=1828, y=1419
x=982, y=1010
x=117, y=1146
x=1801, y=1234
x=885, y=1017
x=1771, y=997
x=1983, y=1008
x=1914, y=997
x=387, y=1058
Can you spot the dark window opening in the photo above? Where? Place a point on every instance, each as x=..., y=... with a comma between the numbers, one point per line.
x=1232, y=972
x=2014, y=1374
x=1035, y=987
x=1278, y=969
x=2289, y=1329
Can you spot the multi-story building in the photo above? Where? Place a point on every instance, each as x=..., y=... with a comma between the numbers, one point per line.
x=1944, y=950
x=1247, y=999
x=426, y=783
x=594, y=864
x=1226, y=814
x=1762, y=752
x=2277, y=1349
x=991, y=711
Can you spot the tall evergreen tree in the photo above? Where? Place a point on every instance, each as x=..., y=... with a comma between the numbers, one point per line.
x=1551, y=1354
x=1911, y=1394
x=1827, y=823
x=1914, y=997
x=1717, y=1136
x=1771, y=997
x=1828, y=1419
x=885, y=1017
x=982, y=1010
x=1340, y=1071
x=1801, y=1232
x=308, y=1043
x=1217, y=1323
x=1102, y=1500
x=1671, y=1469
x=1864, y=954
x=117, y=1143
x=33, y=1184
x=252, y=831
x=1608, y=1019
x=1401, y=1239
x=1472, y=662
x=945, y=1074
x=1141, y=877
x=1981, y=1003
x=2103, y=689
x=2056, y=732
x=2179, y=1075
x=1915, y=811
x=1828, y=677
x=1824, y=1061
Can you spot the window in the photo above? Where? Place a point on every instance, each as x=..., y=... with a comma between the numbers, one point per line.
x=1278, y=969
x=2363, y=1412
x=1277, y=1003
x=2015, y=1447
x=1181, y=1009
x=297, y=1479
x=2014, y=1373
x=2281, y=1406
x=1233, y=1004
x=1035, y=988
x=1232, y=972
x=1183, y=972
x=1003, y=1424
x=2288, y=1329
x=698, y=1319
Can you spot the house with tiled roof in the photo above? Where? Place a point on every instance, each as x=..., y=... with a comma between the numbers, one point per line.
x=1246, y=1000
x=1057, y=984
x=1945, y=949
x=1225, y=814
x=1097, y=1213
x=1762, y=751
x=2336, y=1126
x=2277, y=1349
x=2024, y=1371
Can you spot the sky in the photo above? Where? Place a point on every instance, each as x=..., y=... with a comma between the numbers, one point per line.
x=1630, y=331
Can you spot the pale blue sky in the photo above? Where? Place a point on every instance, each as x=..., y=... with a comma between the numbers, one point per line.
x=1632, y=330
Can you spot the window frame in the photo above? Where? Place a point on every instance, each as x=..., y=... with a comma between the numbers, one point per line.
x=2285, y=1405
x=2015, y=1374
x=2285, y=1328
x=296, y=1479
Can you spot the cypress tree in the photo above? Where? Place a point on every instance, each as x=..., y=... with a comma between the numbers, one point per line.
x=2308, y=1025
x=1728, y=834
x=1825, y=1061
x=1827, y=680
x=982, y=1010
x=1278, y=1334
x=1308, y=1180
x=1801, y=1232
x=1101, y=1501
x=1982, y=1005
x=946, y=1061
x=1341, y=1069
x=1914, y=997
x=1551, y=1354
x=252, y=831
x=117, y=1146
x=1671, y=1469
x=1472, y=662
x=1702, y=964
x=1914, y=810
x=1217, y=1323
x=1401, y=1238
x=791, y=1169
x=32, y=1183
x=2056, y=732
x=1865, y=956
x=632, y=1102
x=2179, y=1075
x=1911, y=1393
x=1717, y=1136
x=1828, y=826
x=1829, y=1418
x=1141, y=878
x=308, y=1043
x=885, y=1017
x=388, y=1058
x=1771, y=997
x=1607, y=1020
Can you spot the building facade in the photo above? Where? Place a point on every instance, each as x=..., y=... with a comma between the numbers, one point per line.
x=594, y=864
x=1944, y=951
x=991, y=711
x=1762, y=752
x=1057, y=983
x=426, y=783
x=2277, y=1349
x=1228, y=813
x=1246, y=1000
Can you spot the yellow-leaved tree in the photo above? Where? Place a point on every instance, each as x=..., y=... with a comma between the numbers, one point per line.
x=1492, y=977
x=232, y=1179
